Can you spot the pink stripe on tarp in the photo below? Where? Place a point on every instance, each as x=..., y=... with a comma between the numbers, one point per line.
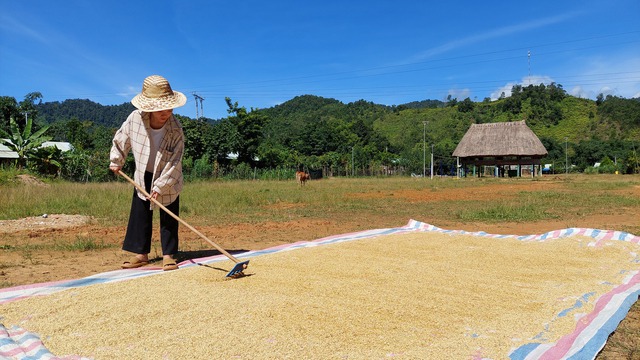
x=565, y=344
x=29, y=286
x=12, y=353
x=30, y=346
x=608, y=235
x=603, y=237
x=18, y=343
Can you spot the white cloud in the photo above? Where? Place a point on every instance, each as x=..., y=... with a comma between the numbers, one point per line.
x=9, y=24
x=605, y=90
x=526, y=81
x=491, y=34
x=506, y=90
x=580, y=92
x=459, y=94
x=536, y=80
x=129, y=92
x=614, y=74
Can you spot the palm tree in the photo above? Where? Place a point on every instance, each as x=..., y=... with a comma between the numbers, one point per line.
x=24, y=143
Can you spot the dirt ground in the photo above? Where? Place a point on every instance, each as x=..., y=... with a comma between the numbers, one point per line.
x=49, y=256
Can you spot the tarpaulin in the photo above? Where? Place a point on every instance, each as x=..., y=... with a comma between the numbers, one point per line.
x=584, y=342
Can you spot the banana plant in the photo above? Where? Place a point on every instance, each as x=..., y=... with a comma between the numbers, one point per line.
x=23, y=143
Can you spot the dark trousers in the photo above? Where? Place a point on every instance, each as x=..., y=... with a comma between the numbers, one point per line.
x=138, y=237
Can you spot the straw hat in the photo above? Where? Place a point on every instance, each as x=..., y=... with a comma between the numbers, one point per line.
x=157, y=95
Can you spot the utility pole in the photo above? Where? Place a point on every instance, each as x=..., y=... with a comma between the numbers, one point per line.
x=431, y=161
x=353, y=166
x=424, y=148
x=200, y=99
x=566, y=163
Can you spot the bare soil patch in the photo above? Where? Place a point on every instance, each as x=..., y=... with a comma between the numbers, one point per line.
x=46, y=221
x=31, y=180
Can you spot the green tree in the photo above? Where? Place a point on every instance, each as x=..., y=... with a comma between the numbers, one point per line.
x=466, y=105
x=222, y=140
x=27, y=107
x=46, y=160
x=632, y=161
x=8, y=109
x=77, y=134
x=249, y=128
x=24, y=143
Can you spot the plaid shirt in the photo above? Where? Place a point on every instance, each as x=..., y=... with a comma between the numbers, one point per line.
x=133, y=136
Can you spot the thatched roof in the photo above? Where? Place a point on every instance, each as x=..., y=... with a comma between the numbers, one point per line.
x=500, y=139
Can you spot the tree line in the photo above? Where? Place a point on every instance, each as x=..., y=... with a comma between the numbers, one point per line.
x=331, y=138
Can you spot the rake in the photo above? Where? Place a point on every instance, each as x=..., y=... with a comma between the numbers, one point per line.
x=239, y=267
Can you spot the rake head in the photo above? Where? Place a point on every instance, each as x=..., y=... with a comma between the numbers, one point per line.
x=237, y=270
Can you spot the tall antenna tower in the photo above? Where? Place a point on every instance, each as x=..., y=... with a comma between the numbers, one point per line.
x=199, y=99
x=529, y=63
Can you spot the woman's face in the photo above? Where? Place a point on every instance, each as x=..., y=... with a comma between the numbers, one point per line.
x=159, y=118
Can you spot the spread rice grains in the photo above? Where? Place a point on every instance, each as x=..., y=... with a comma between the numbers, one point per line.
x=423, y=295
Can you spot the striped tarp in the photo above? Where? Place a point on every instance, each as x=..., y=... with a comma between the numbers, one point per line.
x=17, y=343
x=587, y=339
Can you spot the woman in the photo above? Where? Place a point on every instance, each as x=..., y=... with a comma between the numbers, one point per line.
x=156, y=139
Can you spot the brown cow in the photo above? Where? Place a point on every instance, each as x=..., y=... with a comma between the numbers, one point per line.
x=302, y=177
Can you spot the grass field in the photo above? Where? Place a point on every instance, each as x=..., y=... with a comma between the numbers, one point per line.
x=523, y=200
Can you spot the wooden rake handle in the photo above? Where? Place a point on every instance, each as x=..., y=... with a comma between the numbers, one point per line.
x=145, y=193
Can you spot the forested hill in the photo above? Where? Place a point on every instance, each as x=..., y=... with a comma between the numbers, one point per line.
x=547, y=110
x=325, y=133
x=608, y=127
x=84, y=110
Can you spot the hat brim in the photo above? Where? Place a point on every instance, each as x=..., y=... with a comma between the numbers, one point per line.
x=147, y=104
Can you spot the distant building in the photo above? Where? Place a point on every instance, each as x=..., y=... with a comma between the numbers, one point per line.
x=505, y=148
x=6, y=155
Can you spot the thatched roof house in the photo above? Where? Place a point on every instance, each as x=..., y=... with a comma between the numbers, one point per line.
x=504, y=143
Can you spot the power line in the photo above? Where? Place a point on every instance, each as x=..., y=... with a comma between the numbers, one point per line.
x=200, y=99
x=445, y=63
x=305, y=84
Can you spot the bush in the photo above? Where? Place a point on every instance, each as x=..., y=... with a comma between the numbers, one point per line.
x=242, y=171
x=79, y=165
x=202, y=168
x=8, y=174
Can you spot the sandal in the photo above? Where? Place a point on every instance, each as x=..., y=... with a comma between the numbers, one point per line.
x=133, y=263
x=169, y=264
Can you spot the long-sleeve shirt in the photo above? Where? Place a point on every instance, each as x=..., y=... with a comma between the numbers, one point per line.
x=134, y=135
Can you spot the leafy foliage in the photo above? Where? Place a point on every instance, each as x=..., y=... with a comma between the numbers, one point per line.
x=359, y=138
x=46, y=160
x=24, y=143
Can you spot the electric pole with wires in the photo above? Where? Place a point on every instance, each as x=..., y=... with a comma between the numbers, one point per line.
x=200, y=99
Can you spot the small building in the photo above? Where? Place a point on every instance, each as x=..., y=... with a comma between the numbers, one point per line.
x=7, y=155
x=503, y=148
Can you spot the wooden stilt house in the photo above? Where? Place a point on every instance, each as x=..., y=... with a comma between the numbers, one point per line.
x=500, y=149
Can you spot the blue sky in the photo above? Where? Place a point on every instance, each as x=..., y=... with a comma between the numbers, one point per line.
x=263, y=53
